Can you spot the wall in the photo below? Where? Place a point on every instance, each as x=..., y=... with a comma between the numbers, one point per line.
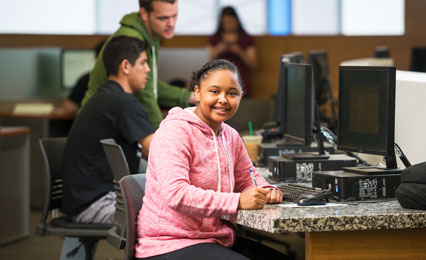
x=265, y=78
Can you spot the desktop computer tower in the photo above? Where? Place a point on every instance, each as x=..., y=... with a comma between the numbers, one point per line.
x=284, y=169
x=349, y=186
x=266, y=150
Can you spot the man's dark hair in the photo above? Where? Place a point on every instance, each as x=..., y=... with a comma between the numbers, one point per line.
x=121, y=48
x=147, y=4
x=213, y=65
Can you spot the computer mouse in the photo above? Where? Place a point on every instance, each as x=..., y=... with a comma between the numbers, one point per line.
x=309, y=200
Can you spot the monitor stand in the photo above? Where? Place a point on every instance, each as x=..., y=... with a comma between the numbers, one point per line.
x=371, y=170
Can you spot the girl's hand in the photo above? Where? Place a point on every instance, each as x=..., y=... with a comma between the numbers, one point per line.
x=274, y=196
x=254, y=198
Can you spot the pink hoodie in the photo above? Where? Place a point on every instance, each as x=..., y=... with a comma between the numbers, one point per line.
x=193, y=178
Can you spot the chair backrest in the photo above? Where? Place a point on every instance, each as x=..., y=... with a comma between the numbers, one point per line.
x=52, y=150
x=133, y=188
x=119, y=167
x=116, y=159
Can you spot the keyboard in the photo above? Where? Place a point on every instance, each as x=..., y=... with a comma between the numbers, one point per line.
x=292, y=192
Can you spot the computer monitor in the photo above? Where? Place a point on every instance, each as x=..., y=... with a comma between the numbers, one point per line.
x=299, y=99
x=280, y=100
x=368, y=62
x=381, y=52
x=367, y=112
x=410, y=127
x=323, y=91
x=418, y=59
x=178, y=64
x=74, y=64
x=319, y=61
x=294, y=57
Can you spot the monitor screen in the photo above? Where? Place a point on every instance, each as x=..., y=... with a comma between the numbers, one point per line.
x=74, y=64
x=299, y=102
x=367, y=109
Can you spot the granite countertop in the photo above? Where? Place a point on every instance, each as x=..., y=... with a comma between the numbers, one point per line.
x=369, y=215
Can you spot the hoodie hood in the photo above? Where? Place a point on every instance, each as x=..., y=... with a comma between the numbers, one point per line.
x=134, y=21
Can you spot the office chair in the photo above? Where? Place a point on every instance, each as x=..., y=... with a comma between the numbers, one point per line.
x=133, y=187
x=52, y=150
x=119, y=167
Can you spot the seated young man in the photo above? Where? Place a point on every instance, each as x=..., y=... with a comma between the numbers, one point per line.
x=113, y=112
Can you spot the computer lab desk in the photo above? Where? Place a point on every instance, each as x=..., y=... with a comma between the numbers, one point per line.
x=42, y=126
x=359, y=230
x=14, y=183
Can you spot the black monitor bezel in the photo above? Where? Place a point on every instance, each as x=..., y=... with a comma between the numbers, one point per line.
x=294, y=57
x=309, y=105
x=281, y=99
x=390, y=133
x=320, y=81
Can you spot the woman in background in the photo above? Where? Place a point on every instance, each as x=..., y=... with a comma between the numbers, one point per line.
x=231, y=42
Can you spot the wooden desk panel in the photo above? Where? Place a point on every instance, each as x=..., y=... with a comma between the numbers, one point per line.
x=366, y=244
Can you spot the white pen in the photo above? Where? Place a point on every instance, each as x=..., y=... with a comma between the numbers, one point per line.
x=252, y=177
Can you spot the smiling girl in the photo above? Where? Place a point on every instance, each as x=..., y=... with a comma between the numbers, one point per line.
x=199, y=170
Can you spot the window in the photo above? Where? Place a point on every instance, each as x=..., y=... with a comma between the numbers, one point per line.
x=110, y=12
x=47, y=16
x=201, y=17
x=312, y=17
x=259, y=17
x=196, y=17
x=378, y=17
x=279, y=18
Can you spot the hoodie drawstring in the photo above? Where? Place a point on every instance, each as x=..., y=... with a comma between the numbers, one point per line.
x=219, y=178
x=231, y=171
x=154, y=73
x=218, y=161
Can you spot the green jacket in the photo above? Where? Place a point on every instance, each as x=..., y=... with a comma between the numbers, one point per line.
x=170, y=96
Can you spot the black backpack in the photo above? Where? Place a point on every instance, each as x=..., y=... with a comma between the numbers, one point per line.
x=411, y=193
